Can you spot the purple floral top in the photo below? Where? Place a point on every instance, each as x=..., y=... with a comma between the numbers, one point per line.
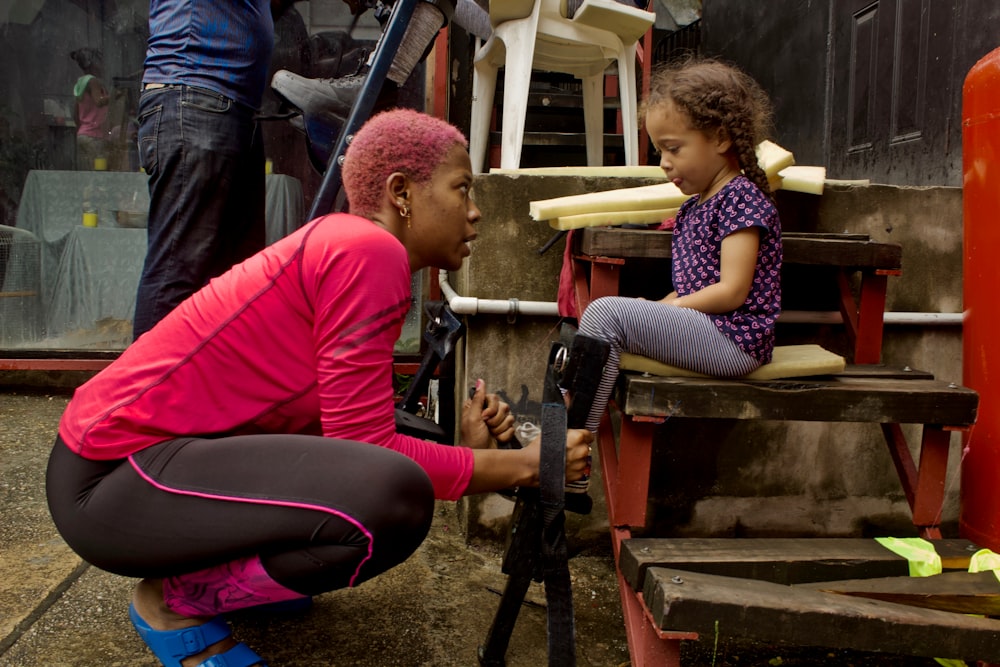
x=697, y=245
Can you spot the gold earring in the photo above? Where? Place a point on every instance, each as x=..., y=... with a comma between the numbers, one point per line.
x=404, y=210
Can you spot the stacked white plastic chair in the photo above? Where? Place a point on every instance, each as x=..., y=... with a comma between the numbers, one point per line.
x=537, y=35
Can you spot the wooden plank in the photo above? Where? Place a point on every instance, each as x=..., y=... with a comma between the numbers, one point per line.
x=958, y=592
x=778, y=560
x=712, y=605
x=830, y=399
x=847, y=251
x=881, y=371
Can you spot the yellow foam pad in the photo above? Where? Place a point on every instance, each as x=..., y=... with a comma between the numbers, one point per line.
x=788, y=361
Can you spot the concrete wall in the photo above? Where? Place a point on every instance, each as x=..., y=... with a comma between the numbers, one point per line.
x=750, y=478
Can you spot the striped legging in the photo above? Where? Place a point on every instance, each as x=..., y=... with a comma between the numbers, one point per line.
x=681, y=337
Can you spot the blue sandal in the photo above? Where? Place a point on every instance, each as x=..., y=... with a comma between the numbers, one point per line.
x=172, y=646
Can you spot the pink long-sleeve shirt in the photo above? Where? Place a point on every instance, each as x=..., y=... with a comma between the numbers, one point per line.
x=297, y=339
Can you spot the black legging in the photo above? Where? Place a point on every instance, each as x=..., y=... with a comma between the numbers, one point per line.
x=312, y=508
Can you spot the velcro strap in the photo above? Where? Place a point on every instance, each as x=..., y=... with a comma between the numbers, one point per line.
x=555, y=554
x=240, y=655
x=187, y=642
x=552, y=464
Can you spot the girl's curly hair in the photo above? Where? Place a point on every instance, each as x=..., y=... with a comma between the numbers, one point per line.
x=720, y=98
x=402, y=140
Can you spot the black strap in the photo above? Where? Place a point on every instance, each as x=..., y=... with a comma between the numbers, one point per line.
x=555, y=554
x=537, y=547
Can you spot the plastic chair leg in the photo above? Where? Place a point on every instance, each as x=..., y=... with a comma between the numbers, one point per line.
x=516, y=83
x=593, y=118
x=628, y=91
x=484, y=85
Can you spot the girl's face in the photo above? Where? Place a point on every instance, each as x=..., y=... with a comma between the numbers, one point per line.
x=696, y=163
x=443, y=215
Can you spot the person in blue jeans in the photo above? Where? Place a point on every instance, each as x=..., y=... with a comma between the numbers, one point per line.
x=204, y=77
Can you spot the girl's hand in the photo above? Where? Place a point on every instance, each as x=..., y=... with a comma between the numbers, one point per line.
x=669, y=299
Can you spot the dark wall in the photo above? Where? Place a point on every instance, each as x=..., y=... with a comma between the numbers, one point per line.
x=868, y=88
x=782, y=44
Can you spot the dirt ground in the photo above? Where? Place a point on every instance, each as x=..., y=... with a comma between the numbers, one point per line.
x=432, y=611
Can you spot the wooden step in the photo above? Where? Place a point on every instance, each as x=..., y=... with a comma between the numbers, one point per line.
x=717, y=606
x=957, y=592
x=840, y=250
x=835, y=398
x=779, y=560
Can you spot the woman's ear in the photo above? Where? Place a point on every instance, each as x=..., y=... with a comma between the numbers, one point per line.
x=398, y=186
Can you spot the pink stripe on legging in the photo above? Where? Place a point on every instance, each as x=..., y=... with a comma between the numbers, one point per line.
x=255, y=501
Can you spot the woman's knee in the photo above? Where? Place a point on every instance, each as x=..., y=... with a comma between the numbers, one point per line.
x=409, y=501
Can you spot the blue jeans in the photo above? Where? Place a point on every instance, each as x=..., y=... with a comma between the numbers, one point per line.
x=205, y=158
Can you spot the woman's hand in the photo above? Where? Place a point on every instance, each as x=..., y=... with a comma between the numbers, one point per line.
x=578, y=452
x=496, y=469
x=485, y=417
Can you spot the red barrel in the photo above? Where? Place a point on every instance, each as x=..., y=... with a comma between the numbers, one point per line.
x=979, y=517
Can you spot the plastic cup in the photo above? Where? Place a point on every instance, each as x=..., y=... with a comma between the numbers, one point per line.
x=89, y=219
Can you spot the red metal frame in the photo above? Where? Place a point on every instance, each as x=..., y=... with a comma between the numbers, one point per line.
x=626, y=501
x=441, y=76
x=16, y=364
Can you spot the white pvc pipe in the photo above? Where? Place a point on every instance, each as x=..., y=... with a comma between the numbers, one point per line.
x=833, y=317
x=470, y=305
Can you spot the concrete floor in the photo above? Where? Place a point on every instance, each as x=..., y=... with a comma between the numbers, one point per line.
x=432, y=611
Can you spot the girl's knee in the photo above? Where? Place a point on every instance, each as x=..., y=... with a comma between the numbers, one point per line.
x=601, y=317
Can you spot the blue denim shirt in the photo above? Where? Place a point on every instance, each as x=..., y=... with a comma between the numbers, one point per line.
x=221, y=45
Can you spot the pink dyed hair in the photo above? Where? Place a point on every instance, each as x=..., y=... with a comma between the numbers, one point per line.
x=400, y=140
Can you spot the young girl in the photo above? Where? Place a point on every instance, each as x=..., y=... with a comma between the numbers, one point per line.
x=90, y=109
x=705, y=118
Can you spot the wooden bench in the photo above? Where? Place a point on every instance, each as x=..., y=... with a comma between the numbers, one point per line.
x=865, y=392
x=599, y=253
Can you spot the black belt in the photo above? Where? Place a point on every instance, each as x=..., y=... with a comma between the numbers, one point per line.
x=537, y=548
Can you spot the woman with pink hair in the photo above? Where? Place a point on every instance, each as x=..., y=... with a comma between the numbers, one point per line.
x=244, y=452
